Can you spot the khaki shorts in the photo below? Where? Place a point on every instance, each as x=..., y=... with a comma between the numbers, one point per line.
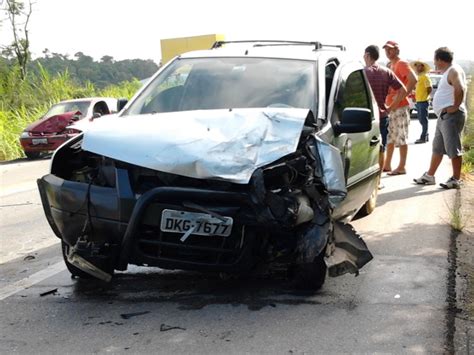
x=447, y=139
x=398, y=126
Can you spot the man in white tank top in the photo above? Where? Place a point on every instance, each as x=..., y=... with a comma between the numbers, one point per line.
x=449, y=105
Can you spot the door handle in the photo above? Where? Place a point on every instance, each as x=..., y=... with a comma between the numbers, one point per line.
x=374, y=141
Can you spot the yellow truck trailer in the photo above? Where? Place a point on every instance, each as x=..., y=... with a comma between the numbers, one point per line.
x=171, y=47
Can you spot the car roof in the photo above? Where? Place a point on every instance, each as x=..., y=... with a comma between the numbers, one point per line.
x=93, y=99
x=313, y=51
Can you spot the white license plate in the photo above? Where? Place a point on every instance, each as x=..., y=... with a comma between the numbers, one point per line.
x=201, y=223
x=37, y=141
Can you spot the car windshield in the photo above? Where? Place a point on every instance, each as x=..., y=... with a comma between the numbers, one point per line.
x=223, y=83
x=63, y=107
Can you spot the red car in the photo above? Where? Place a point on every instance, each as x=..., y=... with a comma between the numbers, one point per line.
x=53, y=129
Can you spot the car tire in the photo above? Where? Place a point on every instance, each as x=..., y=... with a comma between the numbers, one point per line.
x=369, y=205
x=310, y=276
x=76, y=272
x=32, y=155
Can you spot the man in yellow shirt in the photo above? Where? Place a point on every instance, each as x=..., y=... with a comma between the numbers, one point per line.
x=422, y=96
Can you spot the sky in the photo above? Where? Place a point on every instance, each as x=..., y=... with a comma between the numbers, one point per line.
x=129, y=29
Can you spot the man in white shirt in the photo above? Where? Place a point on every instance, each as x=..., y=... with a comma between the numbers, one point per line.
x=449, y=106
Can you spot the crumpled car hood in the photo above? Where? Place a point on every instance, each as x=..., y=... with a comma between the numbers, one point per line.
x=52, y=124
x=206, y=144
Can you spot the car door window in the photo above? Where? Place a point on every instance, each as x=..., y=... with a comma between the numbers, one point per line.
x=352, y=92
x=360, y=156
x=355, y=92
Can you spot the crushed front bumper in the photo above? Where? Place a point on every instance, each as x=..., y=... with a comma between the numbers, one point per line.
x=130, y=223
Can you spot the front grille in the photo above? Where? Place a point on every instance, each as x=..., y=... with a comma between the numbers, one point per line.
x=197, y=249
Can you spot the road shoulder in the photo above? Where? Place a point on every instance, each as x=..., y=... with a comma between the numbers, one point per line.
x=464, y=319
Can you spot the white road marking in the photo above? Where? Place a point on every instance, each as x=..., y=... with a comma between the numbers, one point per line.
x=31, y=280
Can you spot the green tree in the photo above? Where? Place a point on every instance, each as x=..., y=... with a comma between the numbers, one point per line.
x=19, y=15
x=107, y=59
x=82, y=68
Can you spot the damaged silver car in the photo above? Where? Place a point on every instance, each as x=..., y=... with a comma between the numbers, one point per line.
x=250, y=153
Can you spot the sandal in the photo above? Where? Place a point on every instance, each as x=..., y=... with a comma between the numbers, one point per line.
x=396, y=172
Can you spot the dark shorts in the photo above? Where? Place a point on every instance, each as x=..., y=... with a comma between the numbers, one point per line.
x=447, y=139
x=383, y=125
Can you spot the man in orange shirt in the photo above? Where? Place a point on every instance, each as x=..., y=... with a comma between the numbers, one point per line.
x=399, y=119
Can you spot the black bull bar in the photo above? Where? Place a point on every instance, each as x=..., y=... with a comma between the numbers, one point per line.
x=178, y=194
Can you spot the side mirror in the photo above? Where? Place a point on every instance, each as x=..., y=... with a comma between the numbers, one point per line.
x=121, y=104
x=354, y=120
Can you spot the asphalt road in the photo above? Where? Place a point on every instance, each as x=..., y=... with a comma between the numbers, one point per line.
x=398, y=303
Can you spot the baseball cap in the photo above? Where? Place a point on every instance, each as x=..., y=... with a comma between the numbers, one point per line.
x=391, y=44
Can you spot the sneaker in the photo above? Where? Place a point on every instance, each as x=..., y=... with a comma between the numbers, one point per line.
x=425, y=179
x=452, y=183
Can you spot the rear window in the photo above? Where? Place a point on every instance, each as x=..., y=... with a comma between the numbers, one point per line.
x=224, y=83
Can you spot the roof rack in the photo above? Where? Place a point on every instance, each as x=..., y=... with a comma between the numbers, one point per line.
x=266, y=42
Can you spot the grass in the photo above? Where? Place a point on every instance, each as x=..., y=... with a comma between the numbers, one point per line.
x=468, y=136
x=12, y=123
x=456, y=216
